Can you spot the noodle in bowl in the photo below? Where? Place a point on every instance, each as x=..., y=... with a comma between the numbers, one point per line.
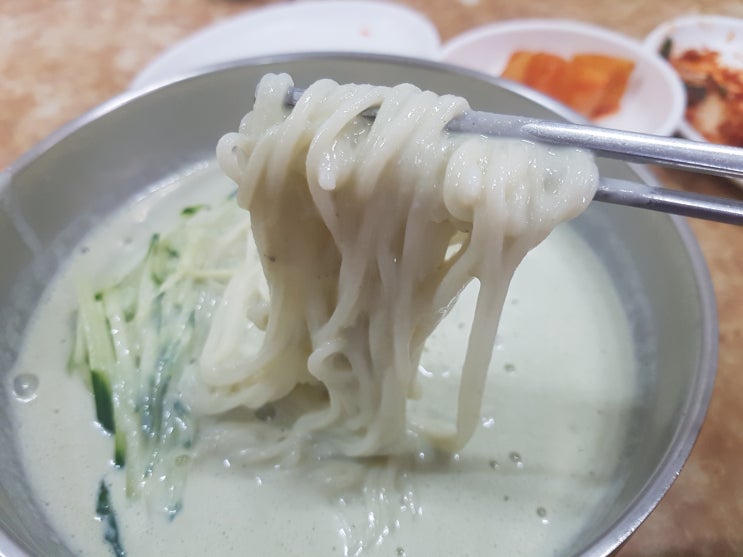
x=649, y=262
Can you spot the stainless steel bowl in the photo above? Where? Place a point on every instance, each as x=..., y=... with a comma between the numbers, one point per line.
x=55, y=193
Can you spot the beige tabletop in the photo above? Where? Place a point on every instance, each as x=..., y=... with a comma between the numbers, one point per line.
x=59, y=58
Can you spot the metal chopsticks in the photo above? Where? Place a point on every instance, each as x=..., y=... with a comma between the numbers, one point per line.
x=707, y=158
x=687, y=204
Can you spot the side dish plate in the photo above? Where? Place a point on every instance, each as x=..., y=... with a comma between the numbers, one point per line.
x=653, y=102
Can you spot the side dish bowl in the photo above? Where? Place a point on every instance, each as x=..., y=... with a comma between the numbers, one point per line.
x=715, y=33
x=699, y=32
x=653, y=102
x=59, y=190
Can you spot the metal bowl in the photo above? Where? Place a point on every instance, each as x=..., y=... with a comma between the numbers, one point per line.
x=55, y=193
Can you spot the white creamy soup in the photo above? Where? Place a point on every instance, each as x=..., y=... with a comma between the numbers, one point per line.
x=542, y=463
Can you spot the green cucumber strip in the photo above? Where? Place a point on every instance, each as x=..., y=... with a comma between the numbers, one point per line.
x=77, y=363
x=161, y=259
x=193, y=209
x=104, y=408
x=101, y=357
x=119, y=448
x=133, y=338
x=100, y=346
x=105, y=512
x=125, y=372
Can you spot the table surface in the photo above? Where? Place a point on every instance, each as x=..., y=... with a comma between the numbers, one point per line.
x=61, y=58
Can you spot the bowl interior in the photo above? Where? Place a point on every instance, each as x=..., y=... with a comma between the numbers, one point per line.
x=54, y=195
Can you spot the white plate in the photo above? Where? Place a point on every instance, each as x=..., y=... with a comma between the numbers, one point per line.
x=655, y=98
x=319, y=26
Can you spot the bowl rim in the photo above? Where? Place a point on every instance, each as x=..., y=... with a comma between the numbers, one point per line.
x=659, y=33
x=539, y=23
x=697, y=403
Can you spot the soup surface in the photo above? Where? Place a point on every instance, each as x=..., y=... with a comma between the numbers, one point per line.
x=555, y=421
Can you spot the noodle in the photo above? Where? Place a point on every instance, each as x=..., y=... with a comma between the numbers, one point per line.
x=367, y=231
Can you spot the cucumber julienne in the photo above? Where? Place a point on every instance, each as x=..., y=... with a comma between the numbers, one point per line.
x=135, y=338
